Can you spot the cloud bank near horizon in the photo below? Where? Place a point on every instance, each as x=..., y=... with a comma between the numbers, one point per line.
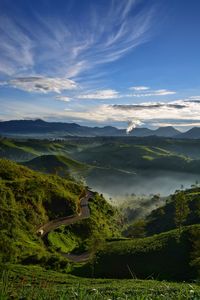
x=179, y=113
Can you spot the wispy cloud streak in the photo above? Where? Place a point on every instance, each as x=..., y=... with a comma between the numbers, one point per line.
x=52, y=46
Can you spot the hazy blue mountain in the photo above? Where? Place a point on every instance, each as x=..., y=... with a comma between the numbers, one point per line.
x=168, y=131
x=40, y=127
x=142, y=132
x=193, y=133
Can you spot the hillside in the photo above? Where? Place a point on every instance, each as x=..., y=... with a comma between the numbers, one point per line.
x=29, y=199
x=183, y=208
x=112, y=165
x=132, y=157
x=168, y=256
x=163, y=218
x=58, y=164
x=163, y=245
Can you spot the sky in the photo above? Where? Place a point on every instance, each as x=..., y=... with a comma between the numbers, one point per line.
x=123, y=63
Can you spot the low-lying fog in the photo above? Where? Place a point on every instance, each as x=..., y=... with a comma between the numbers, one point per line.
x=154, y=182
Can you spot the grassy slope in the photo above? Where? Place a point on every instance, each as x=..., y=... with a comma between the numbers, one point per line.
x=24, y=150
x=58, y=164
x=162, y=219
x=131, y=157
x=171, y=254
x=115, y=153
x=88, y=234
x=164, y=256
x=29, y=199
x=28, y=282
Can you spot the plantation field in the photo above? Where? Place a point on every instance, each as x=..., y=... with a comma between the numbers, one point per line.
x=33, y=282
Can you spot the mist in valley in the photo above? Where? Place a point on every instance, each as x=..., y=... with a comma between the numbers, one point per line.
x=142, y=183
x=138, y=195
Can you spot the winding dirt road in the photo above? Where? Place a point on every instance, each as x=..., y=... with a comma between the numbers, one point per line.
x=84, y=213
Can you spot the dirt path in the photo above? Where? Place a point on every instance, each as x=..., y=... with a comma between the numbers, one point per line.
x=77, y=258
x=85, y=213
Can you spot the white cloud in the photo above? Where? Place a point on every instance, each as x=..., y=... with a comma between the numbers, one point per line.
x=139, y=88
x=179, y=113
x=41, y=84
x=194, y=98
x=185, y=123
x=164, y=92
x=179, y=110
x=63, y=98
x=113, y=94
x=64, y=47
x=16, y=48
x=101, y=95
x=151, y=93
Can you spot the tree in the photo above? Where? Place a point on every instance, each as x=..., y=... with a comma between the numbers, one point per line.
x=136, y=230
x=182, y=210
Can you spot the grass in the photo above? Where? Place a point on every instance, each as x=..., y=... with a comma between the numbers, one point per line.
x=20, y=282
x=166, y=256
x=29, y=199
x=64, y=241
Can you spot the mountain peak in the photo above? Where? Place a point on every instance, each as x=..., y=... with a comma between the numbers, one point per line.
x=166, y=131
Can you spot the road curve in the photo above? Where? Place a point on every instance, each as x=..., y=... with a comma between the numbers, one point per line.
x=84, y=213
x=77, y=257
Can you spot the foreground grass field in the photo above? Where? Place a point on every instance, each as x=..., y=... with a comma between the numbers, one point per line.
x=33, y=282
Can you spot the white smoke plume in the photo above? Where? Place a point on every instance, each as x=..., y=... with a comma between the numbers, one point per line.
x=132, y=125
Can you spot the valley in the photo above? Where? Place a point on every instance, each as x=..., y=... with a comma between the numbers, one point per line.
x=113, y=165
x=81, y=209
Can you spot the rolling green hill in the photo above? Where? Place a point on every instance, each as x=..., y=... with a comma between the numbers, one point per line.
x=163, y=245
x=133, y=157
x=60, y=165
x=116, y=165
x=170, y=255
x=119, y=153
x=29, y=199
x=163, y=218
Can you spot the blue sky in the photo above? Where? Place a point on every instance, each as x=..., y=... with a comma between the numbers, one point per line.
x=101, y=62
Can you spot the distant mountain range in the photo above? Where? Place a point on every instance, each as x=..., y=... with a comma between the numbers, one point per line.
x=40, y=127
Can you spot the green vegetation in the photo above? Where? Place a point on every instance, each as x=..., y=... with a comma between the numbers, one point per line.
x=111, y=165
x=181, y=209
x=62, y=239
x=118, y=153
x=164, y=256
x=153, y=237
x=88, y=234
x=33, y=282
x=29, y=199
x=59, y=165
